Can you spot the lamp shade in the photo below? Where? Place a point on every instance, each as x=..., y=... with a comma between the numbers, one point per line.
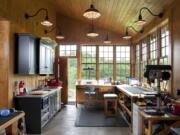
x=46, y=22
x=127, y=36
x=140, y=21
x=92, y=34
x=60, y=37
x=92, y=13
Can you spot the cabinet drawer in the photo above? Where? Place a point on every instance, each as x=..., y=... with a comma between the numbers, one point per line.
x=44, y=111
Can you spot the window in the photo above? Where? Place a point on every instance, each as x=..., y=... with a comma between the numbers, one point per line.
x=144, y=58
x=122, y=62
x=88, y=62
x=105, y=62
x=67, y=50
x=164, y=51
x=164, y=45
x=153, y=49
x=137, y=62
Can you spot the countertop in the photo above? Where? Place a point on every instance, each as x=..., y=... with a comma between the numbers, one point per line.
x=50, y=91
x=92, y=83
x=134, y=91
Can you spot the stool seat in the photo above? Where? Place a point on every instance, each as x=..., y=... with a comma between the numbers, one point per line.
x=110, y=104
x=110, y=96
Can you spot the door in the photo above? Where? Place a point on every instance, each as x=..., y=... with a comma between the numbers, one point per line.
x=72, y=76
x=63, y=67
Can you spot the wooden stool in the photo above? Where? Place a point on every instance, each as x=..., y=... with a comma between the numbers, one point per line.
x=110, y=104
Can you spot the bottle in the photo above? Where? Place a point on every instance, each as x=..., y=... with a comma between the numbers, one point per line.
x=21, y=88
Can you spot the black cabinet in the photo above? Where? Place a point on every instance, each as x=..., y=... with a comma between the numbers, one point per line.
x=39, y=110
x=46, y=58
x=25, y=53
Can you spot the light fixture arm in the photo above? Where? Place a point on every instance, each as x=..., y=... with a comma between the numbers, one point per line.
x=160, y=15
x=27, y=16
x=127, y=28
x=49, y=31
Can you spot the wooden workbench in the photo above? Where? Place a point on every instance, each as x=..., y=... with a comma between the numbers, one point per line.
x=10, y=125
x=101, y=88
x=127, y=96
x=175, y=119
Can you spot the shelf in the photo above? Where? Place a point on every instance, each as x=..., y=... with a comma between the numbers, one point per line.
x=125, y=108
x=129, y=124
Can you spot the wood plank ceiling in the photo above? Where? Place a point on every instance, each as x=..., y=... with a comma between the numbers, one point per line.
x=116, y=14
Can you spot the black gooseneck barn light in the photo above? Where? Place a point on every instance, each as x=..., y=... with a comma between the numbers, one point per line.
x=92, y=12
x=45, y=22
x=59, y=34
x=127, y=36
x=141, y=21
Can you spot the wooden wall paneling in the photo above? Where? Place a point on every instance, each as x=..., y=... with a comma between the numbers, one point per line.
x=75, y=32
x=4, y=63
x=18, y=24
x=176, y=45
x=116, y=14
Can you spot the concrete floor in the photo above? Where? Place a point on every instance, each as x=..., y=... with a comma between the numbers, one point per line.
x=63, y=124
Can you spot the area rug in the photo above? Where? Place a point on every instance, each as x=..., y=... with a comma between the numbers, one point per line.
x=96, y=118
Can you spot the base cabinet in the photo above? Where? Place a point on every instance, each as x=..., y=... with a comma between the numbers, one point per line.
x=38, y=110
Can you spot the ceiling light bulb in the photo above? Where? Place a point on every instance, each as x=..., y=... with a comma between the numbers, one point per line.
x=92, y=13
x=127, y=37
x=60, y=37
x=92, y=34
x=141, y=22
x=107, y=41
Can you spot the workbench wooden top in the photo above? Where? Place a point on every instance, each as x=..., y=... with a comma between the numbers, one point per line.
x=132, y=91
x=10, y=121
x=166, y=116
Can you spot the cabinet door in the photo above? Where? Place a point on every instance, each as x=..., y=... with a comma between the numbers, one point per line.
x=52, y=62
x=32, y=56
x=42, y=59
x=22, y=54
x=48, y=59
x=25, y=52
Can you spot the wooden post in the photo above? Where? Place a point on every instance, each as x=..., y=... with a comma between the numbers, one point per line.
x=114, y=62
x=97, y=62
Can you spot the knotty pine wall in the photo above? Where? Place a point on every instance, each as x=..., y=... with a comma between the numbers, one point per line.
x=75, y=32
x=12, y=21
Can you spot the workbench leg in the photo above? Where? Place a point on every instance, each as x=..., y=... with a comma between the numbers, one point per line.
x=149, y=127
x=142, y=126
x=12, y=129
